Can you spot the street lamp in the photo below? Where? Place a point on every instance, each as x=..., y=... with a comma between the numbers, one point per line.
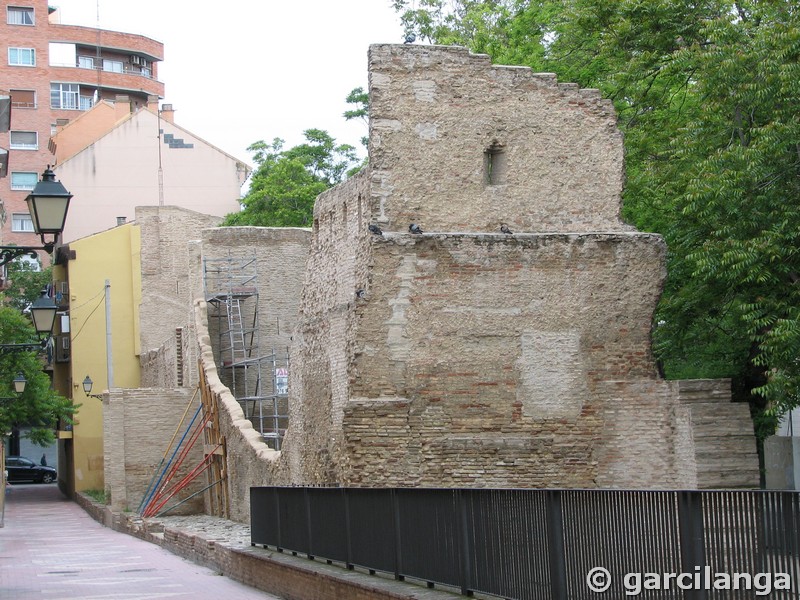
x=87, y=388
x=43, y=315
x=48, y=203
x=19, y=383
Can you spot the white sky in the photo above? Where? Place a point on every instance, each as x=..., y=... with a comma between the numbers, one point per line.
x=245, y=70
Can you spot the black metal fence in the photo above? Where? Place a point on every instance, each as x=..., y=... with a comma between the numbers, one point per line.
x=548, y=544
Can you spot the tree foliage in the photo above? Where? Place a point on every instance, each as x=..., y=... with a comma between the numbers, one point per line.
x=286, y=182
x=25, y=283
x=38, y=407
x=360, y=101
x=708, y=97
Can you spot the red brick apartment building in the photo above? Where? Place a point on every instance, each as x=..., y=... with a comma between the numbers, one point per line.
x=52, y=74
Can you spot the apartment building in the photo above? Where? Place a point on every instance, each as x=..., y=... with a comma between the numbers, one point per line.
x=52, y=74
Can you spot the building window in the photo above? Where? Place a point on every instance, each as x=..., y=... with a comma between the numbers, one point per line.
x=22, y=57
x=23, y=181
x=64, y=95
x=23, y=98
x=114, y=66
x=86, y=102
x=86, y=62
x=24, y=140
x=20, y=15
x=21, y=222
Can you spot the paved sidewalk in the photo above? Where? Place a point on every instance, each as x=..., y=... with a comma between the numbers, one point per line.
x=51, y=549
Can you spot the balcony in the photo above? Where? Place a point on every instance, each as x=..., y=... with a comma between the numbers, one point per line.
x=127, y=80
x=118, y=62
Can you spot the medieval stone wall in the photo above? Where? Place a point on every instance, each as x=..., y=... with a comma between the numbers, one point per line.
x=167, y=294
x=495, y=351
x=439, y=114
x=323, y=339
x=463, y=356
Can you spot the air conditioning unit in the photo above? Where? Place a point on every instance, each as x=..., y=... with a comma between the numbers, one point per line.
x=62, y=348
x=136, y=60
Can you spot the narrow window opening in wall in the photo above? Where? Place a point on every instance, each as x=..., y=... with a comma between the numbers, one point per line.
x=344, y=215
x=494, y=164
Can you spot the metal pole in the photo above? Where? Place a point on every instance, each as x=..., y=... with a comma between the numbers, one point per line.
x=555, y=545
x=109, y=359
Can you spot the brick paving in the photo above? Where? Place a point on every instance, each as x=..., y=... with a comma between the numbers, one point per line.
x=51, y=549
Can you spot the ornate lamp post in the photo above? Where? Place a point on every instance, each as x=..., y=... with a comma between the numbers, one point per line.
x=48, y=203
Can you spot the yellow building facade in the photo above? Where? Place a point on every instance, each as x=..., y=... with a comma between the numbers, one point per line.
x=98, y=282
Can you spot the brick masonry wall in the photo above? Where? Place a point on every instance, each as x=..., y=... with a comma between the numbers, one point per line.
x=280, y=255
x=434, y=113
x=484, y=358
x=337, y=268
x=467, y=358
x=138, y=425
x=167, y=291
x=723, y=446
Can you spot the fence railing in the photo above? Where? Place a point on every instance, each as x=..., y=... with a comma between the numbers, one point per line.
x=548, y=544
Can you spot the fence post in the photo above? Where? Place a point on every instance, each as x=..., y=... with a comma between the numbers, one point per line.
x=279, y=544
x=555, y=546
x=464, y=546
x=398, y=547
x=690, y=524
x=310, y=532
x=348, y=528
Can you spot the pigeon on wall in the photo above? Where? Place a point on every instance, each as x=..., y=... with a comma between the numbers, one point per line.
x=414, y=228
x=504, y=229
x=375, y=229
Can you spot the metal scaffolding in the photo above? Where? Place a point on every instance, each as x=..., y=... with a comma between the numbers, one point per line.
x=258, y=381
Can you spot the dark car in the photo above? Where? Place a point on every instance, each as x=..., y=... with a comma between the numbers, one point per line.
x=24, y=469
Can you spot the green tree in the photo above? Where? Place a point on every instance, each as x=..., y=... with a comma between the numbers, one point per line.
x=360, y=101
x=286, y=182
x=38, y=407
x=25, y=283
x=708, y=97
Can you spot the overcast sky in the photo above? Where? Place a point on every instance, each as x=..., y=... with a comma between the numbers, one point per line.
x=245, y=70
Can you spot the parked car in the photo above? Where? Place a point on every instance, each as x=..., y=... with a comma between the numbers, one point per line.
x=24, y=469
